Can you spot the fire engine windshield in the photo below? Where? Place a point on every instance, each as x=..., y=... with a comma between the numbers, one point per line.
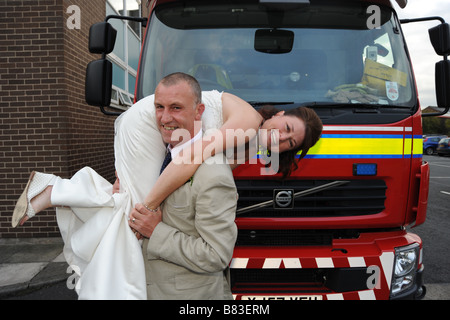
x=320, y=53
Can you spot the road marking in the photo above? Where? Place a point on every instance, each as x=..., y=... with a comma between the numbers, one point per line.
x=445, y=192
x=439, y=165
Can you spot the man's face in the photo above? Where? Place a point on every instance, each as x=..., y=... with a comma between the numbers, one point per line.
x=176, y=109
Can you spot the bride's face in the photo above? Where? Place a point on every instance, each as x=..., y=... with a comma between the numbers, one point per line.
x=282, y=132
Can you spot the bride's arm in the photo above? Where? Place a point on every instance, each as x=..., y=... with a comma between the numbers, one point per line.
x=242, y=122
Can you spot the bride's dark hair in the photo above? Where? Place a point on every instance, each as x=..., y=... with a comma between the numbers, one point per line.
x=313, y=130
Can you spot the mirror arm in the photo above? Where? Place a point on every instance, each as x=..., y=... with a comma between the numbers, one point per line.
x=143, y=21
x=403, y=21
x=435, y=114
x=109, y=113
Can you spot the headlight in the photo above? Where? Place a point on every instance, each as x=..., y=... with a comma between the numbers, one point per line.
x=405, y=266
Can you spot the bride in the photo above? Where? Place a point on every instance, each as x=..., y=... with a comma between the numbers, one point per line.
x=92, y=214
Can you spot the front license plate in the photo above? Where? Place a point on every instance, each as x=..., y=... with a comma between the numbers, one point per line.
x=281, y=297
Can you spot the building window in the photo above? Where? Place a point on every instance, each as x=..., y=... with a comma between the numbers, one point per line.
x=125, y=56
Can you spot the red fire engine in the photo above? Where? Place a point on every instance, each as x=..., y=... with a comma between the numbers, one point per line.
x=337, y=227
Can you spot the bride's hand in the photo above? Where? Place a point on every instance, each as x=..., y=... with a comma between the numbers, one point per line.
x=144, y=221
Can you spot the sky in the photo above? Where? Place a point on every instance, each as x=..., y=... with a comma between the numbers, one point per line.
x=422, y=53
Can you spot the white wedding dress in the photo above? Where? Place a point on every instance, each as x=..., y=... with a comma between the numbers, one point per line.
x=99, y=245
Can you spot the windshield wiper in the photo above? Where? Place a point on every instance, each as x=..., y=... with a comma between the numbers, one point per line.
x=263, y=103
x=356, y=107
x=373, y=106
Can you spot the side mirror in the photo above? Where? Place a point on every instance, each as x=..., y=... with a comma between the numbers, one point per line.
x=443, y=84
x=440, y=39
x=102, y=38
x=98, y=83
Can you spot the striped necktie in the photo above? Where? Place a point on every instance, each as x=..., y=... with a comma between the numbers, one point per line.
x=166, y=161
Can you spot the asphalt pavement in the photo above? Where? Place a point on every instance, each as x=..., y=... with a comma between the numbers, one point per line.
x=30, y=265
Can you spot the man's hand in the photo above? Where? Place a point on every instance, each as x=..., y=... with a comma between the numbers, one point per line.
x=144, y=221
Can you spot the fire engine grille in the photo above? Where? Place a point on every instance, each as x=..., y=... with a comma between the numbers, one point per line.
x=290, y=281
x=357, y=197
x=294, y=237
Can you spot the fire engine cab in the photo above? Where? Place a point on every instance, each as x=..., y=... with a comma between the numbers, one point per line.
x=339, y=226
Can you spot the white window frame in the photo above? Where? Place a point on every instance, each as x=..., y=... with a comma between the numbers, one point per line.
x=120, y=98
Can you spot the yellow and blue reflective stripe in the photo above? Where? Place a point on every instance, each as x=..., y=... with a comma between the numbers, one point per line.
x=366, y=146
x=400, y=144
x=417, y=146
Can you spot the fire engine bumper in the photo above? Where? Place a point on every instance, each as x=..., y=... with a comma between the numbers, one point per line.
x=375, y=266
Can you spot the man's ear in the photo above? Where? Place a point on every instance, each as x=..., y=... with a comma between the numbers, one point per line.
x=278, y=114
x=199, y=111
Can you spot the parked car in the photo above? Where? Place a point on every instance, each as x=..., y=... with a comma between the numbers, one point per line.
x=443, y=147
x=430, y=144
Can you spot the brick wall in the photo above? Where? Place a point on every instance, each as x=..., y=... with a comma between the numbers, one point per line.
x=45, y=123
x=89, y=132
